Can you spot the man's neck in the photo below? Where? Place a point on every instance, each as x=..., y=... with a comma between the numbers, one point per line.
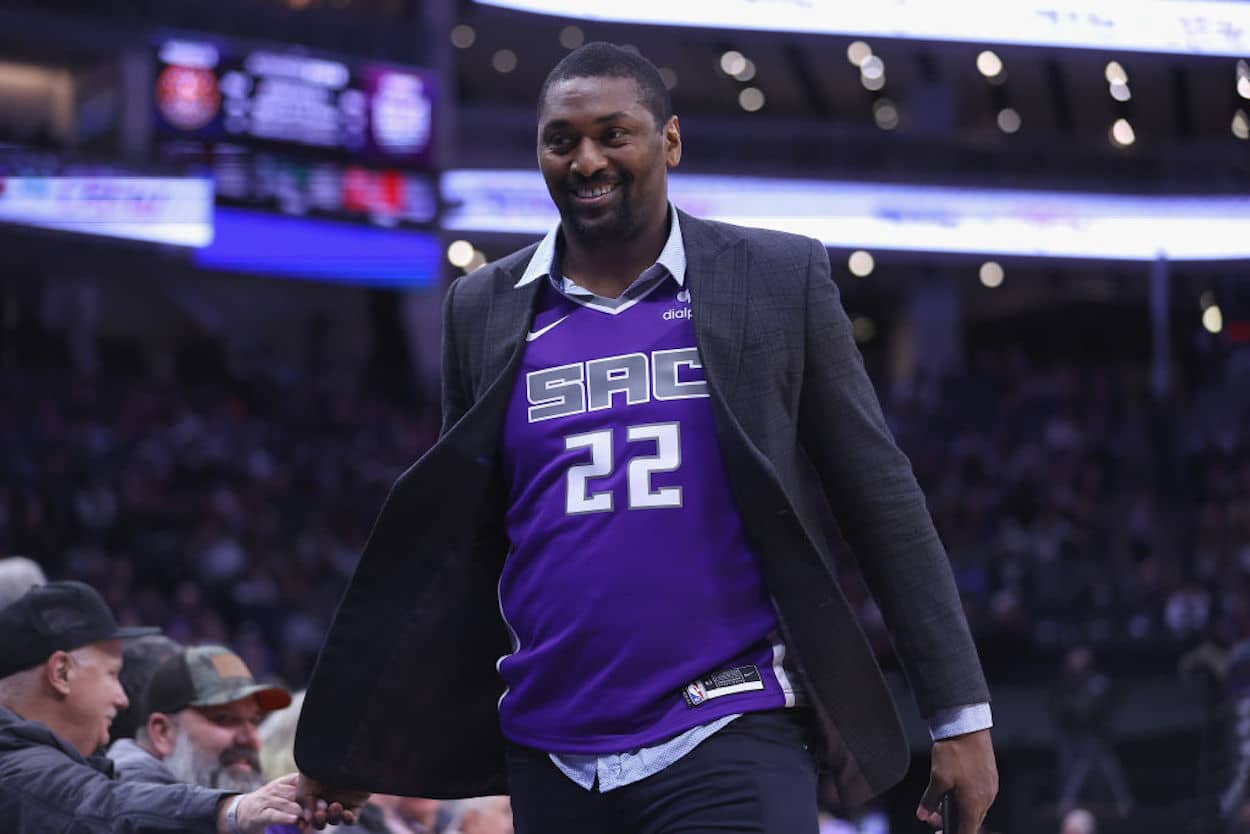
x=607, y=269
x=31, y=710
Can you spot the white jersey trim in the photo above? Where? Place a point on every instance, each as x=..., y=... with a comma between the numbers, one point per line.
x=783, y=680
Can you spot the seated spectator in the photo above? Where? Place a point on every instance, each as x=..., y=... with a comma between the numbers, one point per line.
x=17, y=576
x=60, y=655
x=405, y=814
x=202, y=713
x=481, y=815
x=1079, y=821
x=140, y=659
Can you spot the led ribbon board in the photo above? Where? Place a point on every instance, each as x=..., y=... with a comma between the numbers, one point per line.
x=1197, y=27
x=172, y=210
x=901, y=217
x=261, y=243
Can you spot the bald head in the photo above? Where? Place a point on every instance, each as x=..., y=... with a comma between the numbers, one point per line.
x=17, y=576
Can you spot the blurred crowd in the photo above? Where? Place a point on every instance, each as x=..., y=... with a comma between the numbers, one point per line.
x=1080, y=511
x=1076, y=509
x=227, y=512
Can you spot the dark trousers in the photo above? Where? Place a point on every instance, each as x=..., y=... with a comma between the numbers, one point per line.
x=755, y=776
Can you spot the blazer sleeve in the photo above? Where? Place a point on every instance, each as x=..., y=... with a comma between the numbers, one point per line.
x=880, y=508
x=455, y=387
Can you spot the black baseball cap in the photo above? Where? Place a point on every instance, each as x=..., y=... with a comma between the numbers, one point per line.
x=58, y=616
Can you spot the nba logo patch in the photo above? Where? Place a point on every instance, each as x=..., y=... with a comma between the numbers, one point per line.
x=683, y=296
x=695, y=694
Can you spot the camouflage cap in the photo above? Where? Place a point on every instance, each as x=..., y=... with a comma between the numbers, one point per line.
x=207, y=676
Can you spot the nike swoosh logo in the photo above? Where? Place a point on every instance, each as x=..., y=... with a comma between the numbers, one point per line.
x=534, y=334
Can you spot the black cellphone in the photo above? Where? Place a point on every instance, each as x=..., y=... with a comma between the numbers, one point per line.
x=950, y=814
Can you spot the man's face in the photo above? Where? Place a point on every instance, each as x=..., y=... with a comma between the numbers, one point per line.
x=604, y=159
x=95, y=694
x=219, y=747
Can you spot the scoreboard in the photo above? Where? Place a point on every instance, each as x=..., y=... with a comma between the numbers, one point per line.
x=371, y=112
x=281, y=129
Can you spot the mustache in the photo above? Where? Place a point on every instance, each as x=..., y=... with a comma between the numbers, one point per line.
x=574, y=182
x=237, y=755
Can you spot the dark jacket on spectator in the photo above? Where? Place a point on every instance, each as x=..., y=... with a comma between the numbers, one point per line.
x=48, y=787
x=134, y=764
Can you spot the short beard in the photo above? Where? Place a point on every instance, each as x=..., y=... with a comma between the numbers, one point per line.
x=616, y=228
x=193, y=766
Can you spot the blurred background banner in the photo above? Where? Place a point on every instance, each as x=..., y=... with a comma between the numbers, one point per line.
x=1200, y=27
x=1052, y=224
x=176, y=211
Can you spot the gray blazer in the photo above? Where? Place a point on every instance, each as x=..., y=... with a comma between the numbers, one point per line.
x=403, y=698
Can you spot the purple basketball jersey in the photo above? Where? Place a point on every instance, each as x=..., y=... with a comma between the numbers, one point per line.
x=637, y=608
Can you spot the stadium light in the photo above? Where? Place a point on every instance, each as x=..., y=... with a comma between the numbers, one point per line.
x=1241, y=125
x=733, y=62
x=858, y=52
x=1120, y=92
x=1122, y=133
x=751, y=99
x=873, y=67
x=463, y=36
x=864, y=329
x=1213, y=319
x=1009, y=120
x=885, y=114
x=989, y=64
x=872, y=73
x=1115, y=73
x=991, y=274
x=504, y=61
x=571, y=37
x=459, y=253
x=861, y=263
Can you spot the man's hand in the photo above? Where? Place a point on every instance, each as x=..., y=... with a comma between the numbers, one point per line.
x=322, y=804
x=273, y=804
x=963, y=764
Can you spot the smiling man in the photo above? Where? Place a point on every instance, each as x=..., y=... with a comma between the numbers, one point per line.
x=203, y=710
x=616, y=554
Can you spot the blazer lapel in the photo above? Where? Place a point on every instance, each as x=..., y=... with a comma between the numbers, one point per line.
x=716, y=272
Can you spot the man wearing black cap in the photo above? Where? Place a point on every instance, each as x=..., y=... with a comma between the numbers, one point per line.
x=60, y=655
x=201, y=714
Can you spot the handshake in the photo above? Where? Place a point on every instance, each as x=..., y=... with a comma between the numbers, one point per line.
x=293, y=800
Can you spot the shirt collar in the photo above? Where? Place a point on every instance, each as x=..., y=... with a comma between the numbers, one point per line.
x=672, y=256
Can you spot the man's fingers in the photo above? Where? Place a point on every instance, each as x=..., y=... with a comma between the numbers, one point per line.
x=929, y=809
x=284, y=808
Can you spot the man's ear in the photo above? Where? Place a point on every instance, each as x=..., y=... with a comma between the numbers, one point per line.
x=58, y=672
x=672, y=142
x=162, y=734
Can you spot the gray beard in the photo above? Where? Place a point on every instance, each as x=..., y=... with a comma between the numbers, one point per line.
x=193, y=766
